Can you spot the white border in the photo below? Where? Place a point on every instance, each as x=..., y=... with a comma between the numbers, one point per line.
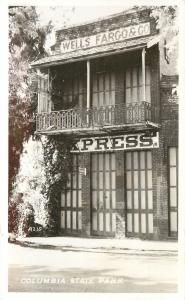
x=4, y=154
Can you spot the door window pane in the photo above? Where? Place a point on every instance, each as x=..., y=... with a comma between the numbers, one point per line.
x=113, y=180
x=129, y=199
x=113, y=222
x=136, y=223
x=173, y=221
x=107, y=165
x=79, y=220
x=173, y=197
x=149, y=179
x=101, y=200
x=62, y=219
x=149, y=159
x=74, y=219
x=150, y=223
x=107, y=180
x=142, y=160
x=136, y=204
x=142, y=178
x=94, y=221
x=128, y=160
x=150, y=200
x=94, y=199
x=101, y=221
x=129, y=179
x=68, y=198
x=94, y=162
x=129, y=222
x=113, y=161
x=173, y=176
x=113, y=199
x=143, y=200
x=135, y=160
x=101, y=162
x=107, y=199
x=143, y=223
x=79, y=198
x=100, y=180
x=107, y=221
x=135, y=179
x=74, y=199
x=172, y=156
x=94, y=180
x=68, y=219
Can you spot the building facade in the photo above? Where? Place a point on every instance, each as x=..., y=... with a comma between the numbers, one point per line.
x=110, y=86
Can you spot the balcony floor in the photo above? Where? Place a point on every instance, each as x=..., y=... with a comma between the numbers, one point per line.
x=110, y=129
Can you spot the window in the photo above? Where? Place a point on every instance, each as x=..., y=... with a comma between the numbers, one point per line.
x=134, y=85
x=44, y=102
x=173, y=190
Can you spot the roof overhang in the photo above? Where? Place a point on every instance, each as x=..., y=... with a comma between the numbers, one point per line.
x=91, y=53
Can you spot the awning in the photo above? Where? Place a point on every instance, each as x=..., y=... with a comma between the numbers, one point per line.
x=110, y=49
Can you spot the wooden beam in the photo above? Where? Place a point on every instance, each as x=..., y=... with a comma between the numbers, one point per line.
x=88, y=83
x=143, y=73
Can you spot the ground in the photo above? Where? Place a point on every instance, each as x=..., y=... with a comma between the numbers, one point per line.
x=46, y=270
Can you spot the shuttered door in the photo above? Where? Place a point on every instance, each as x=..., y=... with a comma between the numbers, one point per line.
x=173, y=191
x=103, y=89
x=139, y=194
x=103, y=194
x=71, y=201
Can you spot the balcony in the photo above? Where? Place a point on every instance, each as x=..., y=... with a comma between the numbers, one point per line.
x=110, y=118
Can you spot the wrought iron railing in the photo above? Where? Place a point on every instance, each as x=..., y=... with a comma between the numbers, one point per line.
x=111, y=115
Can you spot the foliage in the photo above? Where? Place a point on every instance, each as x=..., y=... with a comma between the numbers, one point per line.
x=57, y=166
x=44, y=166
x=28, y=203
x=166, y=18
x=26, y=43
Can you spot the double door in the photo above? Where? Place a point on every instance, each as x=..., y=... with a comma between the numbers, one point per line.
x=137, y=196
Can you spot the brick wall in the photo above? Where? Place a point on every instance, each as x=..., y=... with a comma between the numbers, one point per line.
x=120, y=195
x=168, y=137
x=86, y=205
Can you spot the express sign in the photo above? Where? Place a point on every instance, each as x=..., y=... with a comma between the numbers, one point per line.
x=104, y=38
x=121, y=142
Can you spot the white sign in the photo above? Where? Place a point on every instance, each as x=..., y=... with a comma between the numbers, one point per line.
x=82, y=171
x=121, y=142
x=107, y=37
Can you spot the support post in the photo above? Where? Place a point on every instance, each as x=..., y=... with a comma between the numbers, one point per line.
x=143, y=73
x=88, y=84
x=88, y=91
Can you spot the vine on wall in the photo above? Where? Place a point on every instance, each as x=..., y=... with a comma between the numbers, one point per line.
x=58, y=164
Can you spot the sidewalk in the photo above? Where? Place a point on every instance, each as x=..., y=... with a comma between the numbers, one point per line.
x=101, y=245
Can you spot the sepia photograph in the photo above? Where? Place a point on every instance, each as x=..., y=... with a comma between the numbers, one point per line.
x=93, y=149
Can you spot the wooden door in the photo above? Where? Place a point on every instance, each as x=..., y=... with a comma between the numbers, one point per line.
x=139, y=194
x=71, y=201
x=103, y=194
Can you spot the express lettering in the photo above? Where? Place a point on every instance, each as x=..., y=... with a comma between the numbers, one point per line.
x=114, y=143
